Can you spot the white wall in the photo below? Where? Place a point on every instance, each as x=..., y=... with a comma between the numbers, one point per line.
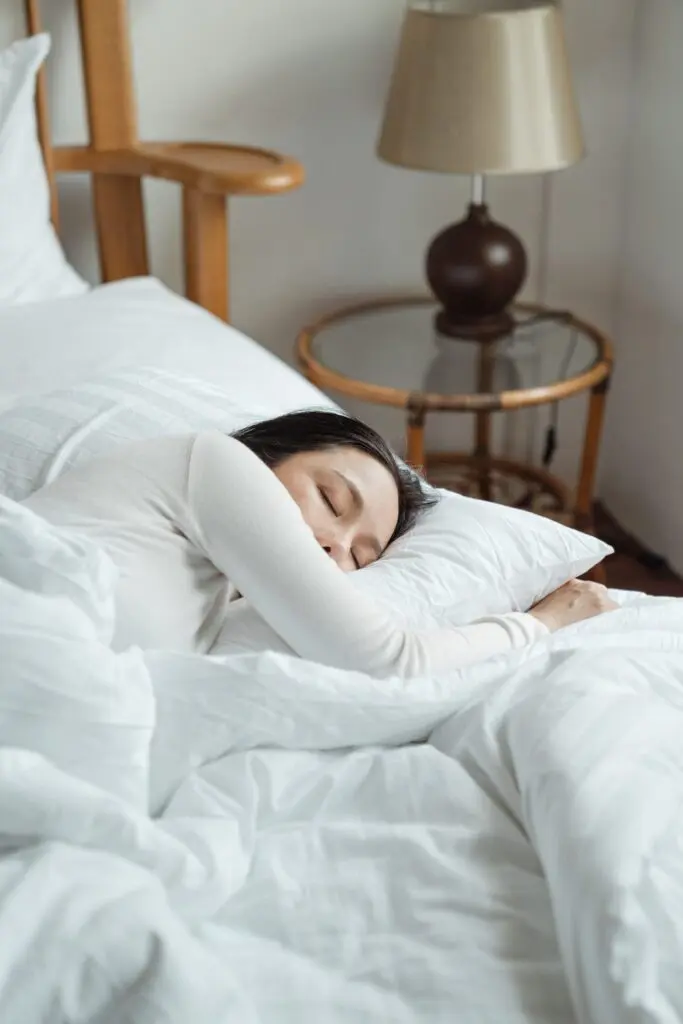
x=309, y=77
x=643, y=466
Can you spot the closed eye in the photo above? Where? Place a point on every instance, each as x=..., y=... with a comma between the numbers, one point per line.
x=328, y=501
x=356, y=561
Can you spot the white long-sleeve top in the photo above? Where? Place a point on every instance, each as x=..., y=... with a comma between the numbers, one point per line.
x=192, y=521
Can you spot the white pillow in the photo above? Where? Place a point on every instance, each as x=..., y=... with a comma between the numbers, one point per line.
x=464, y=559
x=133, y=323
x=467, y=559
x=63, y=693
x=32, y=264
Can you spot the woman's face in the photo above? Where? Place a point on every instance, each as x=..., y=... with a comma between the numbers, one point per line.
x=347, y=498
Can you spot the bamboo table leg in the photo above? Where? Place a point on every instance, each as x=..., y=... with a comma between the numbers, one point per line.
x=415, y=436
x=482, y=447
x=583, y=514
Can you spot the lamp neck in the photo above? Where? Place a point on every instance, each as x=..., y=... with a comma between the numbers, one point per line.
x=478, y=193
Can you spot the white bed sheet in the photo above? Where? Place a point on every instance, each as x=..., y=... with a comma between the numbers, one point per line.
x=312, y=861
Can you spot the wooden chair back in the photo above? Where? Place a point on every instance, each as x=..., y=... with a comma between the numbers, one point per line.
x=117, y=160
x=112, y=125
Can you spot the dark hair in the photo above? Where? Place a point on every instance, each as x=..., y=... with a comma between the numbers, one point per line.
x=276, y=439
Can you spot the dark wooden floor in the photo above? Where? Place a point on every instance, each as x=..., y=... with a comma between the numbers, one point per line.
x=633, y=567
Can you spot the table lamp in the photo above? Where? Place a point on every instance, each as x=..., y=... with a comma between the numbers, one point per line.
x=480, y=87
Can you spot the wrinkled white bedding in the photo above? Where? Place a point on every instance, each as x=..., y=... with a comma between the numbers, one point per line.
x=311, y=861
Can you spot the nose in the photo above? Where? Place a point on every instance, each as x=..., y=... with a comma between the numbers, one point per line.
x=338, y=552
x=337, y=543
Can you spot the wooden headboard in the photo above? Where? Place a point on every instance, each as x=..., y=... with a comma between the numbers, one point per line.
x=118, y=160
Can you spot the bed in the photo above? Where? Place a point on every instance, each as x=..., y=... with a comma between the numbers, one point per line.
x=251, y=837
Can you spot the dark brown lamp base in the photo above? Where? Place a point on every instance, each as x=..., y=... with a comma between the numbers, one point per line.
x=475, y=269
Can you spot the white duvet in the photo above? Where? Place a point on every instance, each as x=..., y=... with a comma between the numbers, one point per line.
x=310, y=857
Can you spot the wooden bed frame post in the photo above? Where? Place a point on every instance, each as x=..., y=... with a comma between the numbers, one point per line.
x=108, y=74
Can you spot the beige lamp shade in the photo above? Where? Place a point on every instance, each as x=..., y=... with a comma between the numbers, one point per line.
x=482, y=87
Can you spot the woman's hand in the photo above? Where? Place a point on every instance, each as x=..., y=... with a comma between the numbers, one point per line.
x=573, y=602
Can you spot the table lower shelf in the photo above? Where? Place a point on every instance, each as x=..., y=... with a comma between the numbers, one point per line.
x=505, y=481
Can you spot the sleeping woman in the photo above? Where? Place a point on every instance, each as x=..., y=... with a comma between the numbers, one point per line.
x=279, y=513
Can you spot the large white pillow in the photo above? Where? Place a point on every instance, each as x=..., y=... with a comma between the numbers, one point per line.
x=63, y=693
x=32, y=264
x=138, y=322
x=465, y=558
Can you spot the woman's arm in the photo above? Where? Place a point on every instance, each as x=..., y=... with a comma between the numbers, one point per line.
x=253, y=532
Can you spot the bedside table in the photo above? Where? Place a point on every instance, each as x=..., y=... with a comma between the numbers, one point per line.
x=402, y=361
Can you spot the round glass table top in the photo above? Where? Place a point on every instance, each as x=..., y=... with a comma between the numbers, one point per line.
x=394, y=346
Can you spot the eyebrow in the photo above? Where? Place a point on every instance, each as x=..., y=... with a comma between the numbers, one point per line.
x=359, y=504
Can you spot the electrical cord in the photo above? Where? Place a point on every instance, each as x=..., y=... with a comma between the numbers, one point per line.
x=552, y=432
x=560, y=316
x=551, y=436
